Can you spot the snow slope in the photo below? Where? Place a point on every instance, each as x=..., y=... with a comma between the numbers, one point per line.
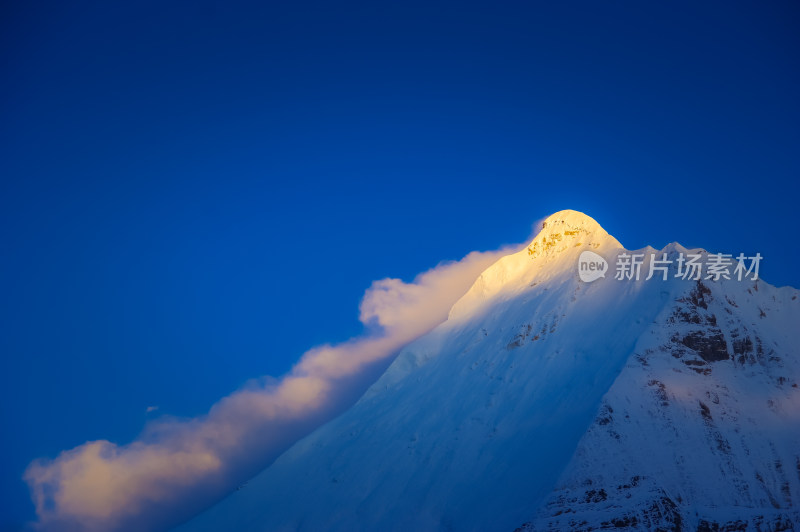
x=497, y=418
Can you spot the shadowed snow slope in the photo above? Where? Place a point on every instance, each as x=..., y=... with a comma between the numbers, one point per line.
x=541, y=395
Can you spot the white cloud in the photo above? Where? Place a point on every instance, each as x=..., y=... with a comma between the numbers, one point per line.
x=177, y=467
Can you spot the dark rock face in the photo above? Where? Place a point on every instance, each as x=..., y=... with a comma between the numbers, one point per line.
x=706, y=339
x=661, y=513
x=711, y=346
x=778, y=524
x=743, y=349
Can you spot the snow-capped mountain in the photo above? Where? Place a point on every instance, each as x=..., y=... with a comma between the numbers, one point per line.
x=548, y=403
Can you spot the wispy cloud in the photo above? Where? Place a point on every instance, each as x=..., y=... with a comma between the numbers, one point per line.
x=178, y=466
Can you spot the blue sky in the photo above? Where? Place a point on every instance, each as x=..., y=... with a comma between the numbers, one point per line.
x=193, y=195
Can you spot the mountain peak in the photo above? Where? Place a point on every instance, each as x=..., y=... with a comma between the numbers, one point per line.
x=547, y=402
x=569, y=220
x=569, y=229
x=552, y=253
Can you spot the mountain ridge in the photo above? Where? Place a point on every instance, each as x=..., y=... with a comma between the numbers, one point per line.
x=477, y=425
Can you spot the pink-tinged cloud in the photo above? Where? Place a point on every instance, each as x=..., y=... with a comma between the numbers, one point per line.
x=178, y=467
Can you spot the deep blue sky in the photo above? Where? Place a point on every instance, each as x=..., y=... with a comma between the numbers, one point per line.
x=194, y=194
